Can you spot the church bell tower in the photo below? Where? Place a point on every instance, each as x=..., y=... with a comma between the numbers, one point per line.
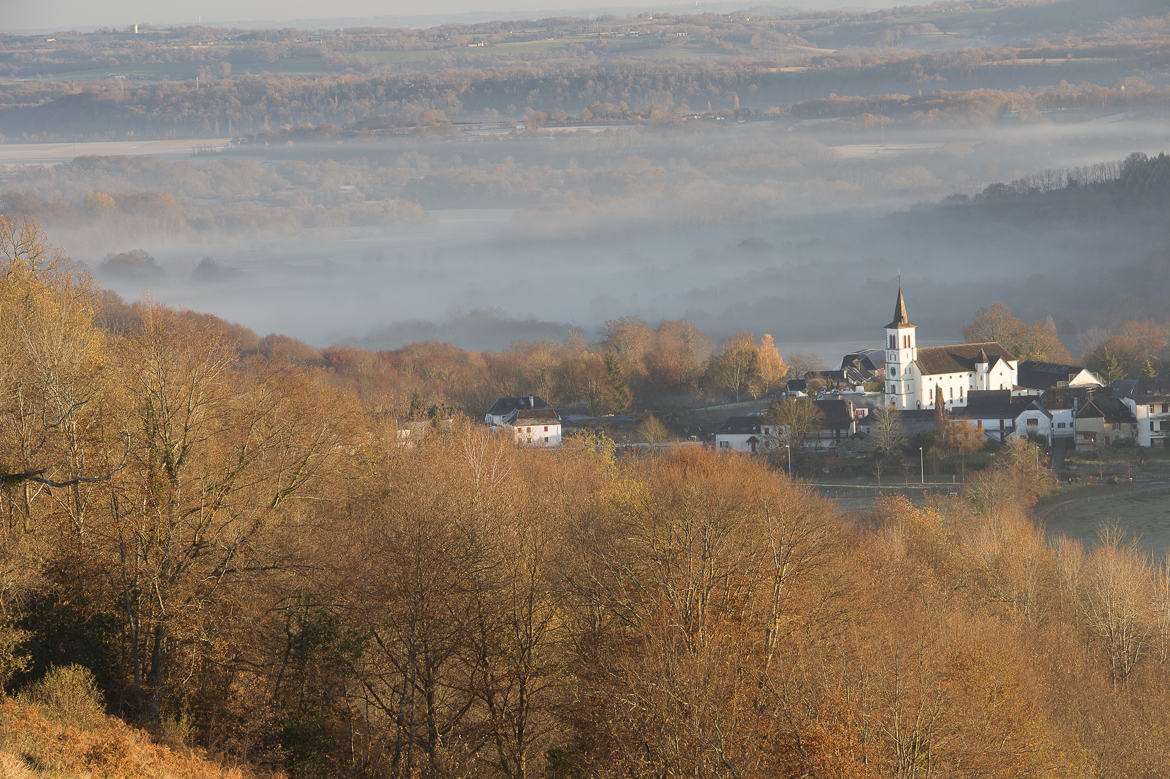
x=901, y=351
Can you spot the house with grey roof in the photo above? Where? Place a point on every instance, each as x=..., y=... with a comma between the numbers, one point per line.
x=1103, y=419
x=1149, y=401
x=745, y=434
x=1034, y=376
x=999, y=415
x=529, y=418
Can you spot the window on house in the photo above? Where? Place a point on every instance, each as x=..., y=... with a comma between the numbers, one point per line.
x=1166, y=408
x=905, y=342
x=893, y=341
x=546, y=428
x=1033, y=422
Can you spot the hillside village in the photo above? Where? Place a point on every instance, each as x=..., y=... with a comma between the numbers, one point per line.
x=979, y=387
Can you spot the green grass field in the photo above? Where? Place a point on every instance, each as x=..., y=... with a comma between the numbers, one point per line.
x=1142, y=511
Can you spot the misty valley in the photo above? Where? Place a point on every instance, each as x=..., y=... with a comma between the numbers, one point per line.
x=552, y=231
x=697, y=391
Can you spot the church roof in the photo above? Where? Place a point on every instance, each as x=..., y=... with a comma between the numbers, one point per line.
x=959, y=358
x=901, y=318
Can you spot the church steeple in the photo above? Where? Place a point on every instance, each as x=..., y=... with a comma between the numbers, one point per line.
x=901, y=353
x=901, y=318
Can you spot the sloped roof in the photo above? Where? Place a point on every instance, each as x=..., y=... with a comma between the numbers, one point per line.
x=741, y=425
x=1042, y=375
x=837, y=414
x=862, y=366
x=1103, y=404
x=535, y=416
x=1144, y=390
x=1064, y=397
x=901, y=318
x=958, y=358
x=504, y=406
x=995, y=404
x=1088, y=402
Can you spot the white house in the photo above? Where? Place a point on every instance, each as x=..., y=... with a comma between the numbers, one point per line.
x=745, y=434
x=535, y=427
x=1062, y=404
x=503, y=409
x=1149, y=400
x=914, y=375
x=1000, y=416
x=528, y=418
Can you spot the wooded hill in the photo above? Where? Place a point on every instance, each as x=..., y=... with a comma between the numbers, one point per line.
x=244, y=556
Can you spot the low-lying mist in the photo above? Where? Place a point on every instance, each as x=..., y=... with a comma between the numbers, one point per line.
x=801, y=231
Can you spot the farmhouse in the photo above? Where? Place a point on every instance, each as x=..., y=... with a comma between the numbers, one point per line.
x=745, y=434
x=529, y=418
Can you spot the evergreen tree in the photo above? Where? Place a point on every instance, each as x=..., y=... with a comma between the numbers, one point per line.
x=617, y=383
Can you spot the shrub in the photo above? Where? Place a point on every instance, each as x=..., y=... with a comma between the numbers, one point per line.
x=68, y=693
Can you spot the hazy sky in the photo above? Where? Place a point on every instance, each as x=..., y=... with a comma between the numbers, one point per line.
x=25, y=15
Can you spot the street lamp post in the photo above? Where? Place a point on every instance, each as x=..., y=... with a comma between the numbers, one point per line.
x=788, y=449
x=921, y=467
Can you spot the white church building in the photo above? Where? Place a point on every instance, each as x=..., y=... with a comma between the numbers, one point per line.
x=914, y=375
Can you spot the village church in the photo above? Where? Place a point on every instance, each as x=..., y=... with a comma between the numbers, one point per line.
x=914, y=375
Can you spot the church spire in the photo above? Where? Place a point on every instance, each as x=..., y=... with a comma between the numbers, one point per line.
x=901, y=318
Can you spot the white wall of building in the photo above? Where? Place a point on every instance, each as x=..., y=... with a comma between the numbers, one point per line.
x=1063, y=424
x=766, y=440
x=1153, y=422
x=1034, y=422
x=548, y=435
